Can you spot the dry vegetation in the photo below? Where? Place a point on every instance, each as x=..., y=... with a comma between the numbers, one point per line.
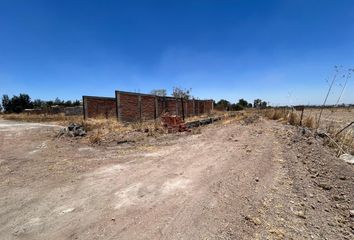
x=102, y=130
x=57, y=118
x=332, y=121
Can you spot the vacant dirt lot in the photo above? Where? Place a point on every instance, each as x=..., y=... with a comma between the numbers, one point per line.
x=337, y=117
x=261, y=180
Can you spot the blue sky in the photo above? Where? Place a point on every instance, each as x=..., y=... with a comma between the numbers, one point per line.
x=279, y=51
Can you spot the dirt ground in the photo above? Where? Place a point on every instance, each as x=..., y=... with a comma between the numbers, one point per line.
x=235, y=180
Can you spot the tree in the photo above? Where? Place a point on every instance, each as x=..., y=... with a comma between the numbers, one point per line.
x=243, y=103
x=20, y=103
x=0, y=108
x=182, y=93
x=257, y=103
x=159, y=92
x=39, y=104
x=6, y=103
x=68, y=103
x=236, y=107
x=223, y=105
x=57, y=101
x=76, y=103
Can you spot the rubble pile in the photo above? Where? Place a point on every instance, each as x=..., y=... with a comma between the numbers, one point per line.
x=173, y=123
x=73, y=130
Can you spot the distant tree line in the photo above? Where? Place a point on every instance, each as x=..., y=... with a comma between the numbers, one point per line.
x=18, y=104
x=223, y=104
x=240, y=105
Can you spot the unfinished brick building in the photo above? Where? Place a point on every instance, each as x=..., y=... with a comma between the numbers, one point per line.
x=130, y=107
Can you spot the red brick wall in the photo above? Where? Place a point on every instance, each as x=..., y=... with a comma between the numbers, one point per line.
x=148, y=107
x=190, y=108
x=208, y=105
x=96, y=107
x=171, y=106
x=128, y=107
x=136, y=107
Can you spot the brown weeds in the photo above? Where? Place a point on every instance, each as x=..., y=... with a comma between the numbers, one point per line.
x=59, y=118
x=309, y=122
x=293, y=119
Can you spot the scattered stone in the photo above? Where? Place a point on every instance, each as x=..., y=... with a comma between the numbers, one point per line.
x=351, y=212
x=321, y=134
x=300, y=214
x=338, y=198
x=73, y=130
x=348, y=158
x=255, y=221
x=324, y=186
x=257, y=179
x=315, y=175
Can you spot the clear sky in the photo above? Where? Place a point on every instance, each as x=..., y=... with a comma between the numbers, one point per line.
x=280, y=51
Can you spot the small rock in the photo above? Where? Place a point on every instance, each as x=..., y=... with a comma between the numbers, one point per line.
x=257, y=179
x=300, y=214
x=351, y=212
x=325, y=186
x=338, y=198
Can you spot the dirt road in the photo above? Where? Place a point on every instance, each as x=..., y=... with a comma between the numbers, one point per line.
x=233, y=181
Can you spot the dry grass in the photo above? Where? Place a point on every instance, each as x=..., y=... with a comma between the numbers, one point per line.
x=276, y=114
x=290, y=117
x=331, y=123
x=309, y=122
x=96, y=137
x=344, y=140
x=58, y=118
x=293, y=119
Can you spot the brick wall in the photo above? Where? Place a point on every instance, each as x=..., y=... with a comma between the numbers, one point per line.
x=73, y=111
x=137, y=106
x=99, y=107
x=130, y=107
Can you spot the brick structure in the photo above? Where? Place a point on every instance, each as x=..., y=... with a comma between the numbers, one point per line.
x=96, y=107
x=130, y=107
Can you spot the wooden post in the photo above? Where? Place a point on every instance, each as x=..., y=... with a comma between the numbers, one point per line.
x=118, y=107
x=84, y=106
x=139, y=107
x=302, y=114
x=182, y=109
x=194, y=107
x=156, y=108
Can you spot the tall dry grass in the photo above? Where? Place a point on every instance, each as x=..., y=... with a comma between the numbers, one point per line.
x=58, y=118
x=309, y=122
x=276, y=114
x=344, y=142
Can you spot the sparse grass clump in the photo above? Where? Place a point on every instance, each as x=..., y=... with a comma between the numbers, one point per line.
x=293, y=119
x=276, y=114
x=96, y=137
x=309, y=122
